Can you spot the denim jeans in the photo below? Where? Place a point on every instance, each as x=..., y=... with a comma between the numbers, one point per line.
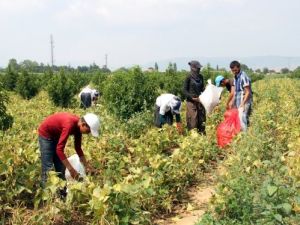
x=50, y=158
x=245, y=116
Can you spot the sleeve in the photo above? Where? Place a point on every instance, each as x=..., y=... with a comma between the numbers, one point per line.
x=186, y=88
x=245, y=81
x=178, y=119
x=203, y=85
x=79, y=95
x=77, y=144
x=62, y=142
x=163, y=109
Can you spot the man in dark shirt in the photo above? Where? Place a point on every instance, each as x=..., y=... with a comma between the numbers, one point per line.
x=193, y=87
x=54, y=132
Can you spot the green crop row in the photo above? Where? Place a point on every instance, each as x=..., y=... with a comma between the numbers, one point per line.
x=259, y=183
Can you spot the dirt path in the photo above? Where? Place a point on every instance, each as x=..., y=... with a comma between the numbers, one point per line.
x=195, y=206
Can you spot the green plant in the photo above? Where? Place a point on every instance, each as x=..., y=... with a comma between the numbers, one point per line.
x=128, y=93
x=6, y=120
x=61, y=89
x=27, y=85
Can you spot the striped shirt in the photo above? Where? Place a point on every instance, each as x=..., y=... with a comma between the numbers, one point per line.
x=240, y=82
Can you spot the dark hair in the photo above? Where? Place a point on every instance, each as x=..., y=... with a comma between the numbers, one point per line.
x=235, y=64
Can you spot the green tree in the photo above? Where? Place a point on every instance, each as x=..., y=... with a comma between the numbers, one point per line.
x=156, y=66
x=27, y=85
x=29, y=65
x=61, y=89
x=175, y=67
x=265, y=70
x=10, y=78
x=128, y=93
x=285, y=70
x=6, y=120
x=13, y=64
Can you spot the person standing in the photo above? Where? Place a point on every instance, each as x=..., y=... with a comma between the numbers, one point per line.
x=166, y=106
x=193, y=87
x=241, y=94
x=54, y=132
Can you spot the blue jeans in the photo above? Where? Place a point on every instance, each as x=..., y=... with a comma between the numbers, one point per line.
x=245, y=116
x=50, y=158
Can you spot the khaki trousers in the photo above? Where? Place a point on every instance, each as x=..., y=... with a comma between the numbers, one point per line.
x=195, y=116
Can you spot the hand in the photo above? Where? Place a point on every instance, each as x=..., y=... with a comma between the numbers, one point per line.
x=179, y=128
x=74, y=174
x=196, y=99
x=229, y=105
x=242, y=108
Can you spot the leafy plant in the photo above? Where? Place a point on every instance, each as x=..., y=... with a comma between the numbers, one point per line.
x=27, y=85
x=61, y=89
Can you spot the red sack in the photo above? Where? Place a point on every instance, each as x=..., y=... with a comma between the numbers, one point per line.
x=230, y=127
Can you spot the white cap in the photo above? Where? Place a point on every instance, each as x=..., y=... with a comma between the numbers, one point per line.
x=94, y=123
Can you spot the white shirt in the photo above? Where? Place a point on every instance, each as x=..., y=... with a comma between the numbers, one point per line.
x=88, y=90
x=164, y=102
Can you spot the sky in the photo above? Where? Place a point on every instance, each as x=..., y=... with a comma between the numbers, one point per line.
x=136, y=32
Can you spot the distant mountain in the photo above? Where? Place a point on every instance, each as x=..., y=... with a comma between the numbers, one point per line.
x=255, y=62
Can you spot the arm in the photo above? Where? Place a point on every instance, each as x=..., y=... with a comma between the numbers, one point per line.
x=162, y=112
x=186, y=88
x=178, y=124
x=60, y=151
x=203, y=86
x=246, y=97
x=230, y=100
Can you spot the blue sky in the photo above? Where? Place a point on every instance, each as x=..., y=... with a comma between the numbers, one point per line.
x=142, y=31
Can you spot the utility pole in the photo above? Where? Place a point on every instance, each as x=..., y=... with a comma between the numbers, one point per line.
x=106, y=56
x=52, y=47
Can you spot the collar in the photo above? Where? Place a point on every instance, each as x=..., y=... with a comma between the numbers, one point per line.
x=236, y=76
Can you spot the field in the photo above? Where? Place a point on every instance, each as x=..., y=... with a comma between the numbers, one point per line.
x=143, y=172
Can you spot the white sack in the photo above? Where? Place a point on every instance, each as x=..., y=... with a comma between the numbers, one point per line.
x=77, y=165
x=210, y=98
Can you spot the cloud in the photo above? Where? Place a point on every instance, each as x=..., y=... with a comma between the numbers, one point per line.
x=136, y=11
x=15, y=6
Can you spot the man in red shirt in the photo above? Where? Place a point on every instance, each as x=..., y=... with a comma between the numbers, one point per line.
x=53, y=135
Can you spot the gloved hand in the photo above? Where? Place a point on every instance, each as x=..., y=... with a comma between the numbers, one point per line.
x=179, y=128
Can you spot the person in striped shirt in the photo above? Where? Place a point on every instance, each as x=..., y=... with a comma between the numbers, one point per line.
x=241, y=94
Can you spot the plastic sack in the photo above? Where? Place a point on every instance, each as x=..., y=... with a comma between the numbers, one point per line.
x=229, y=128
x=210, y=98
x=77, y=165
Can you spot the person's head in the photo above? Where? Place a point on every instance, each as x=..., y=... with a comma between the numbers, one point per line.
x=96, y=95
x=195, y=66
x=89, y=123
x=175, y=105
x=219, y=81
x=235, y=67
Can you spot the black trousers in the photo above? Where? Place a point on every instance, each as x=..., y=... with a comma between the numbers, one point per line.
x=86, y=100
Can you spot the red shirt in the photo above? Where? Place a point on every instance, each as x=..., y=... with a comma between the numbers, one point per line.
x=59, y=127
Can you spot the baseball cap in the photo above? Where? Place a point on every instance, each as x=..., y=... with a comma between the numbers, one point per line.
x=218, y=80
x=94, y=123
x=195, y=64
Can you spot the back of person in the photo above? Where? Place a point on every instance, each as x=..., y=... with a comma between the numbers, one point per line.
x=86, y=97
x=53, y=125
x=164, y=99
